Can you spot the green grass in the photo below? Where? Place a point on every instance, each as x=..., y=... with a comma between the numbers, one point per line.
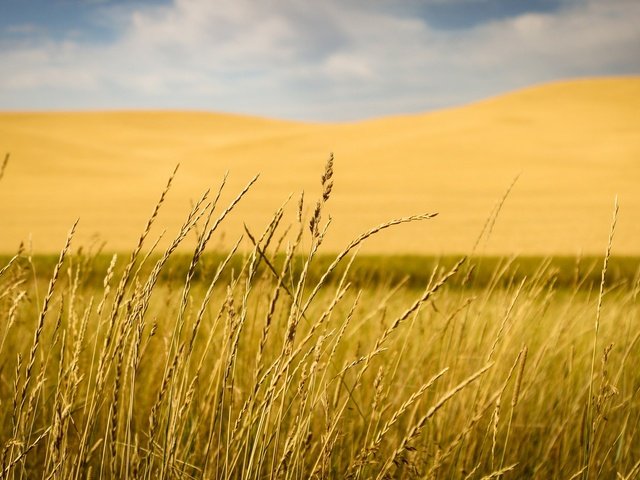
x=367, y=270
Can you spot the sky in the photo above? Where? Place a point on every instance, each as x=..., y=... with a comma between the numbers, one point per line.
x=322, y=60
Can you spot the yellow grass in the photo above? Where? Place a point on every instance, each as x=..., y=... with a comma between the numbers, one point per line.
x=263, y=372
x=576, y=145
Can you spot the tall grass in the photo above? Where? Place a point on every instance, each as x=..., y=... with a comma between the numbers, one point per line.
x=276, y=362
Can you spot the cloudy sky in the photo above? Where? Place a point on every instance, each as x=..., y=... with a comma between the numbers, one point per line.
x=303, y=59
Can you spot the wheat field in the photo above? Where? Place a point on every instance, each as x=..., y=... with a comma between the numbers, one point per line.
x=267, y=363
x=573, y=144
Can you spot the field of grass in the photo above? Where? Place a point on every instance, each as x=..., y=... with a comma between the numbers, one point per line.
x=281, y=362
x=575, y=145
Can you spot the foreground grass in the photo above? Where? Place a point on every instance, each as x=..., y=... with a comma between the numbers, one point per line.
x=262, y=366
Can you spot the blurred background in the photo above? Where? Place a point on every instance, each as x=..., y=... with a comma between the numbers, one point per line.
x=428, y=106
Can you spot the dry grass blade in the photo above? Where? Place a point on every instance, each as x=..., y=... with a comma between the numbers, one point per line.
x=375, y=444
x=3, y=167
x=635, y=470
x=491, y=219
x=8, y=265
x=589, y=427
x=358, y=241
x=578, y=473
x=25, y=452
x=40, y=325
x=499, y=473
x=415, y=430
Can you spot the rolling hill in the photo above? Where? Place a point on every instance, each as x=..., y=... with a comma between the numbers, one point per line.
x=575, y=145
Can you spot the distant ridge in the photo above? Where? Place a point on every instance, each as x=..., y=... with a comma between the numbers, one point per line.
x=576, y=144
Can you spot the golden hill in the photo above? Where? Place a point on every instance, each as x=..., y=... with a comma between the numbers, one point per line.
x=575, y=144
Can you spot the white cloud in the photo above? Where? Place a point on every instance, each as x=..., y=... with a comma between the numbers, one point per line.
x=584, y=38
x=336, y=60
x=23, y=29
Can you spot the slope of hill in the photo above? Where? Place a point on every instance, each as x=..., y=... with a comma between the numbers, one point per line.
x=575, y=145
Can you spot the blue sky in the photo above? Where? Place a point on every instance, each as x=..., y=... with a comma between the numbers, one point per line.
x=322, y=60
